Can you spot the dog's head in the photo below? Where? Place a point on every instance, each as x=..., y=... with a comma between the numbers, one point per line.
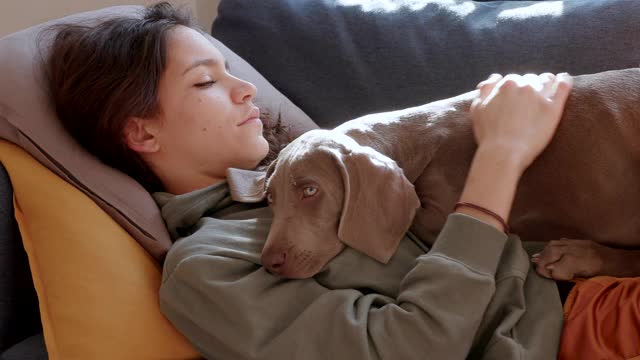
x=326, y=191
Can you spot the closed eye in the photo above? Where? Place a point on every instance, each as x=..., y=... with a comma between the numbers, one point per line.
x=205, y=84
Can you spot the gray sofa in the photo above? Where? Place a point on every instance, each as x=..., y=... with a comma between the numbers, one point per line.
x=345, y=60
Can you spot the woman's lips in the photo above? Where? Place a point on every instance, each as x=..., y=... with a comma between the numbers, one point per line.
x=254, y=120
x=254, y=117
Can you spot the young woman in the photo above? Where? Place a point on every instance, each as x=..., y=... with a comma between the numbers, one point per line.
x=154, y=98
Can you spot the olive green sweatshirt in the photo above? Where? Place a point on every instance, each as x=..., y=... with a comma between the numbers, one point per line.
x=473, y=295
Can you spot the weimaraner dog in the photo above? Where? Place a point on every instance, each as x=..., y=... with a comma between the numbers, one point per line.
x=368, y=181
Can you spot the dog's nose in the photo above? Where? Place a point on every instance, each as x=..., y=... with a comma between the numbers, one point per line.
x=274, y=260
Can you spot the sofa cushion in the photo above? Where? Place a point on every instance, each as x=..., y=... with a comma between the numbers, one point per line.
x=347, y=58
x=27, y=119
x=97, y=287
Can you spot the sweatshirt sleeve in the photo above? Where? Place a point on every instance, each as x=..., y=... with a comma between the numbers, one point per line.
x=231, y=309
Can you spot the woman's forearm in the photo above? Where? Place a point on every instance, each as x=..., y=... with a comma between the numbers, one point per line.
x=491, y=183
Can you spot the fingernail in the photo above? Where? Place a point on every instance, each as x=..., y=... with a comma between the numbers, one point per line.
x=549, y=267
x=535, y=255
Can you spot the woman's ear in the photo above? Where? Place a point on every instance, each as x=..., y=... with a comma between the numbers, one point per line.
x=141, y=135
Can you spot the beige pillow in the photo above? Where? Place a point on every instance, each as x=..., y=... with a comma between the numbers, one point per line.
x=28, y=120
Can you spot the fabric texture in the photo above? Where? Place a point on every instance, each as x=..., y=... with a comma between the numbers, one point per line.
x=97, y=287
x=31, y=348
x=474, y=294
x=27, y=119
x=344, y=60
x=601, y=317
x=19, y=316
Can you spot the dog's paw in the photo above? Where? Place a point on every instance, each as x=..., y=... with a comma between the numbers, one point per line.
x=566, y=259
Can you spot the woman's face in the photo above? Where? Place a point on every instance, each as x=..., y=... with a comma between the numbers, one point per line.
x=207, y=121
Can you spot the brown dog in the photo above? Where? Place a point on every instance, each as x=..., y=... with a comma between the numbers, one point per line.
x=354, y=185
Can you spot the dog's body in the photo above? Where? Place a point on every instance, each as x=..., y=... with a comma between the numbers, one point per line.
x=586, y=183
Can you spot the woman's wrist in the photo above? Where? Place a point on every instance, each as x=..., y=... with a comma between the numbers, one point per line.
x=512, y=156
x=491, y=183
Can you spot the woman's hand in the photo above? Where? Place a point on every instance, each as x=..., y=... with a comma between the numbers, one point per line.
x=514, y=119
x=519, y=114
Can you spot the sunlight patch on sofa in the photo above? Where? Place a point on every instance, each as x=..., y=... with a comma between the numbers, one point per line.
x=462, y=9
x=546, y=8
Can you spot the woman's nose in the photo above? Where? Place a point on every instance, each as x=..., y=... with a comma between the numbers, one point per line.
x=244, y=91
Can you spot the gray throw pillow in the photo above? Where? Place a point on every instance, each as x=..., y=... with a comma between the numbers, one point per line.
x=340, y=59
x=28, y=120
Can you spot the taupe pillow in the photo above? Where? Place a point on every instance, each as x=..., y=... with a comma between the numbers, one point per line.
x=27, y=118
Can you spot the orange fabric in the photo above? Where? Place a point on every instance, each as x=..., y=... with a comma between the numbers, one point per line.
x=602, y=320
x=97, y=287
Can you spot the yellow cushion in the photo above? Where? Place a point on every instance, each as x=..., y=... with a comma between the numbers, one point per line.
x=97, y=288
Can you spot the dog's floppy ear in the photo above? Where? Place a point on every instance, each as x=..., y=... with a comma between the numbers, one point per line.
x=379, y=202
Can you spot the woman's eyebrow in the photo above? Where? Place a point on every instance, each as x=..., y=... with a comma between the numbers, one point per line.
x=205, y=62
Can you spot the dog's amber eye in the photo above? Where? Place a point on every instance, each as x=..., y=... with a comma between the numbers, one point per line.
x=309, y=191
x=269, y=197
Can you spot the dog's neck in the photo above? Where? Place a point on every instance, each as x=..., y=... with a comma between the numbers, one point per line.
x=418, y=133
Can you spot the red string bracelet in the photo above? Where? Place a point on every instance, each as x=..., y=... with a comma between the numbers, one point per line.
x=486, y=211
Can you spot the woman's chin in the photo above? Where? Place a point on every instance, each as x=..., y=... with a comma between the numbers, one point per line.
x=262, y=148
x=259, y=149
x=260, y=156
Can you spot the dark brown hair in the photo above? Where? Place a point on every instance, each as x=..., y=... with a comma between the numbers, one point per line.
x=101, y=75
